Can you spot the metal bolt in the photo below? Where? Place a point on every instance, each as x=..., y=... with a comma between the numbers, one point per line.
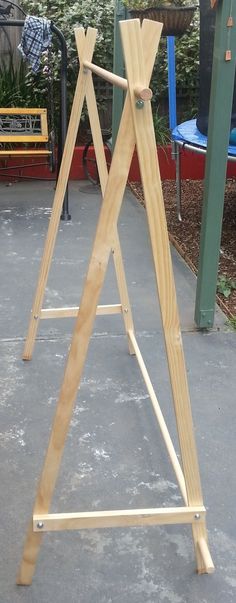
x=40, y=525
x=35, y=317
x=197, y=516
x=126, y=310
x=139, y=103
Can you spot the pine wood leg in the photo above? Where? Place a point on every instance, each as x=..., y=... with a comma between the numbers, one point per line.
x=204, y=561
x=123, y=290
x=103, y=177
x=29, y=557
x=88, y=47
x=31, y=335
x=150, y=175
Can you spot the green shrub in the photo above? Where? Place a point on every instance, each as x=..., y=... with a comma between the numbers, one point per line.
x=13, y=88
x=187, y=72
x=67, y=14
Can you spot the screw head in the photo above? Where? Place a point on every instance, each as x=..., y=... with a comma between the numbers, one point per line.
x=197, y=516
x=139, y=104
x=40, y=525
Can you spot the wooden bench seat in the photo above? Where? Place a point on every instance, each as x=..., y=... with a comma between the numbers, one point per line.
x=26, y=126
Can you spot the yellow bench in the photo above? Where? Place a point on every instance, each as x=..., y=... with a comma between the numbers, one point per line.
x=24, y=126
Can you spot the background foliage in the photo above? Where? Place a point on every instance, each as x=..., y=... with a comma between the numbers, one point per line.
x=22, y=87
x=66, y=15
x=187, y=73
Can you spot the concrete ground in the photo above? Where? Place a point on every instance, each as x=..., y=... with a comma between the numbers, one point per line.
x=114, y=455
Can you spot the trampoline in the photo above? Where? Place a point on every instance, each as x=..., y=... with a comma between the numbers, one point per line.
x=192, y=134
x=188, y=136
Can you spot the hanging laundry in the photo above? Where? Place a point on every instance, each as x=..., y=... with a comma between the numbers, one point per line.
x=36, y=38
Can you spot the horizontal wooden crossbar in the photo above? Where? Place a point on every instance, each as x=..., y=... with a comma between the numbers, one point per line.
x=73, y=311
x=114, y=519
x=106, y=75
x=139, y=91
x=28, y=152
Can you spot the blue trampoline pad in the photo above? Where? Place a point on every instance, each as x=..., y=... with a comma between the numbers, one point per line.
x=188, y=133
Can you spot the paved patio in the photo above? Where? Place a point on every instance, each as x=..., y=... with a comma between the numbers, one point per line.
x=114, y=457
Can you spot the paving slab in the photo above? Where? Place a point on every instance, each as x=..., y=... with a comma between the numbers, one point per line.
x=114, y=455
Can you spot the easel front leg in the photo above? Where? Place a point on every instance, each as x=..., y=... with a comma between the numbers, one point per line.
x=30, y=555
x=80, y=340
x=205, y=564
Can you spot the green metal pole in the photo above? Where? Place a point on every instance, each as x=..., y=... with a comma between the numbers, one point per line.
x=118, y=68
x=222, y=87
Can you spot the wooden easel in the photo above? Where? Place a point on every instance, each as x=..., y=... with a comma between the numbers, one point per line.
x=136, y=127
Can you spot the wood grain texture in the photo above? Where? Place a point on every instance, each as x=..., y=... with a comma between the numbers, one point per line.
x=115, y=519
x=113, y=196
x=103, y=177
x=136, y=127
x=205, y=554
x=150, y=175
x=88, y=48
x=106, y=75
x=73, y=311
x=162, y=424
x=149, y=168
x=25, y=153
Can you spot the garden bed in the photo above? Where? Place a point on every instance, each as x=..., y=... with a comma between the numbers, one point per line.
x=185, y=235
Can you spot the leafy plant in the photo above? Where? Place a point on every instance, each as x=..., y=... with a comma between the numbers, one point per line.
x=142, y=4
x=28, y=89
x=13, y=88
x=231, y=322
x=68, y=14
x=225, y=285
x=161, y=128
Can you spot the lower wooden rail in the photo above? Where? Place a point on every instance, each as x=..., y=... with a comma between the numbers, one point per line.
x=73, y=311
x=115, y=519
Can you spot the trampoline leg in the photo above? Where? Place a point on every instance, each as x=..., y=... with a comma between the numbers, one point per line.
x=177, y=158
